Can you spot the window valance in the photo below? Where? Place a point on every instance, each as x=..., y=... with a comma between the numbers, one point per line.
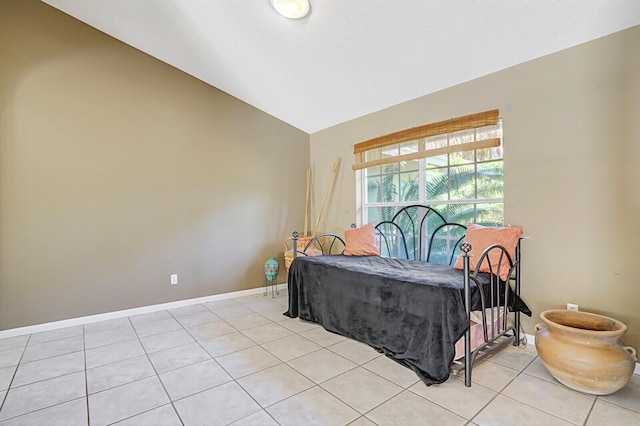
x=396, y=147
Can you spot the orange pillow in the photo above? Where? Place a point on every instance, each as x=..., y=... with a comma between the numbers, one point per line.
x=480, y=237
x=361, y=241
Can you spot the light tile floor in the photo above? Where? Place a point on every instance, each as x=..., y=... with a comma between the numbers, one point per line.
x=240, y=361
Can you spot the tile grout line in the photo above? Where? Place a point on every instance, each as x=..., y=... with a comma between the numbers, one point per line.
x=520, y=373
x=593, y=405
x=537, y=409
x=37, y=381
x=299, y=372
x=43, y=408
x=233, y=379
x=492, y=399
x=617, y=404
x=13, y=377
x=470, y=420
x=370, y=410
x=319, y=385
x=502, y=389
x=86, y=379
x=164, y=388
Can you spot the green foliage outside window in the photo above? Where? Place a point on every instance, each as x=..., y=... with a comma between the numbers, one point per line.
x=460, y=190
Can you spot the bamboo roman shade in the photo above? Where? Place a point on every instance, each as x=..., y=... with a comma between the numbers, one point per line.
x=468, y=122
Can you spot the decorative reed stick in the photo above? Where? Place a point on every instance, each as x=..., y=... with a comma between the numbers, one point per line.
x=332, y=176
x=306, y=201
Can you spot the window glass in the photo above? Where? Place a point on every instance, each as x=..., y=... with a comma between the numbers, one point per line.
x=464, y=186
x=438, y=141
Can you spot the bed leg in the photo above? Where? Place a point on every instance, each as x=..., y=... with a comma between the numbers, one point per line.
x=294, y=249
x=467, y=307
x=516, y=320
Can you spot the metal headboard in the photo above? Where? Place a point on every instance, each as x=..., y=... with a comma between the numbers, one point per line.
x=419, y=232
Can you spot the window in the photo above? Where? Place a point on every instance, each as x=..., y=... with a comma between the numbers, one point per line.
x=454, y=166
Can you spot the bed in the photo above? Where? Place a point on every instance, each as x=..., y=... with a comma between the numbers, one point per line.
x=409, y=302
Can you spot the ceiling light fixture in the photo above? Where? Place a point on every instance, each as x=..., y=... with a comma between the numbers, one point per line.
x=292, y=9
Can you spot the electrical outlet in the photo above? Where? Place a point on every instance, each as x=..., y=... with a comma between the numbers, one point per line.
x=174, y=279
x=572, y=306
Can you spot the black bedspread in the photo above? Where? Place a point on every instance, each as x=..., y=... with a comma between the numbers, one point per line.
x=411, y=311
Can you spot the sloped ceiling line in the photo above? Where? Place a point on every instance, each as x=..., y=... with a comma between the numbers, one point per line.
x=348, y=58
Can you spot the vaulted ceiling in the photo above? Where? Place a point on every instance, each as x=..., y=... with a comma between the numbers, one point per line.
x=348, y=58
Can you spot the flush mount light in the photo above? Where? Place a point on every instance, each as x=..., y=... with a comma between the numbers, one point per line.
x=292, y=9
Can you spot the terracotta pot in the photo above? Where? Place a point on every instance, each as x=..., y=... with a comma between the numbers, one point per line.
x=582, y=351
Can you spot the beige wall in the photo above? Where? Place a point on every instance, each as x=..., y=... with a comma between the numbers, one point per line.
x=117, y=170
x=572, y=155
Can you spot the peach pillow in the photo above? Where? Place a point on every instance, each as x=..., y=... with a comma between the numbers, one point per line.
x=361, y=241
x=480, y=237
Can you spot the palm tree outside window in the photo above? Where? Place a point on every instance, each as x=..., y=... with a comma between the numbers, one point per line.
x=459, y=173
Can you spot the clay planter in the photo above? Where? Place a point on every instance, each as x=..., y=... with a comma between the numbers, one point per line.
x=582, y=351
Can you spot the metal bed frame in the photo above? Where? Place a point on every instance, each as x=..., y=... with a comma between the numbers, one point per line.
x=406, y=235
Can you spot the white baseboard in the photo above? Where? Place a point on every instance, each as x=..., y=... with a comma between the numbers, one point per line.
x=128, y=312
x=531, y=340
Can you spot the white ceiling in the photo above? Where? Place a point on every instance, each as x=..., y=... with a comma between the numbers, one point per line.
x=348, y=58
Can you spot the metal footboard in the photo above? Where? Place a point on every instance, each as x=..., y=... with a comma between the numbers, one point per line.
x=501, y=332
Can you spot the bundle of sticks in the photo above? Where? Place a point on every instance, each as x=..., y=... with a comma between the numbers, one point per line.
x=332, y=177
x=304, y=239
